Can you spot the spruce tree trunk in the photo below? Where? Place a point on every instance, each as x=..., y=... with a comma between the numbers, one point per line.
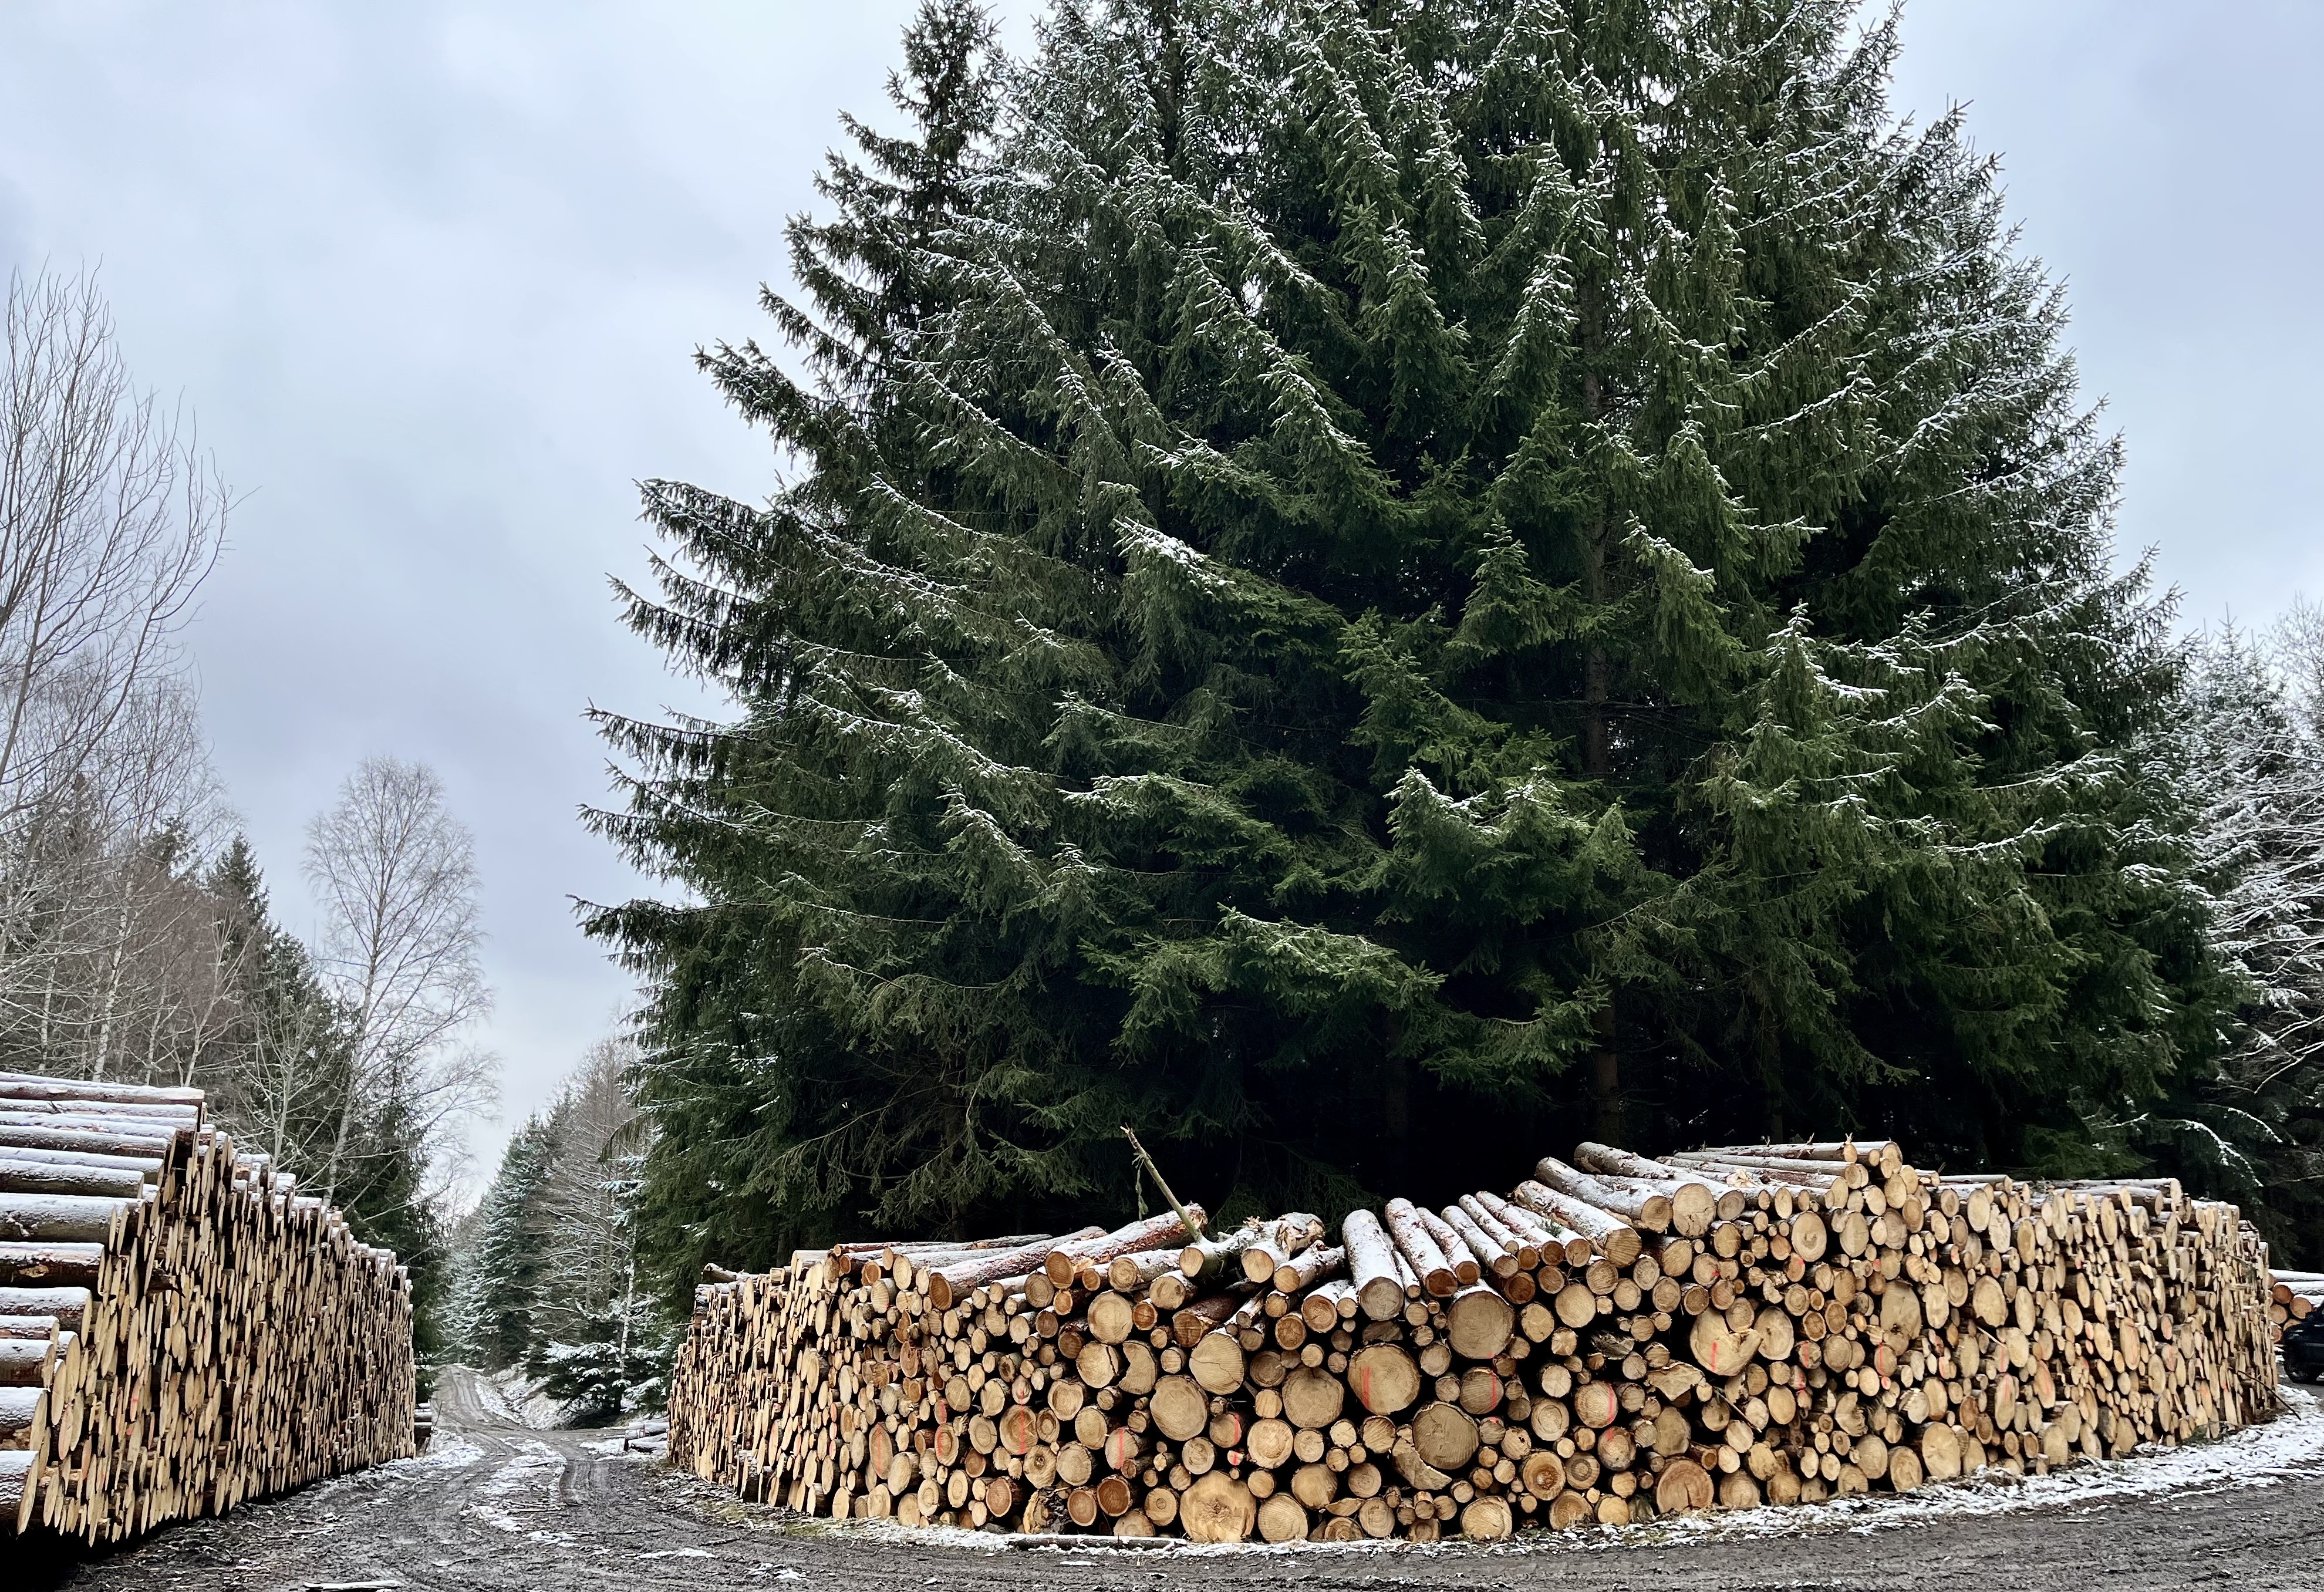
x=1605, y=1063
x=1598, y=765
x=1606, y=1078
x=1771, y=1070
x=1396, y=1118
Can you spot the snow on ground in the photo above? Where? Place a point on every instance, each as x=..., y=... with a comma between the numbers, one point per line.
x=2290, y=1446
x=448, y=1450
x=534, y=1467
x=509, y=1396
x=629, y=1445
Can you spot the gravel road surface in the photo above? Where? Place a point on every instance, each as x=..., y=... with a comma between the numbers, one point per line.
x=495, y=1505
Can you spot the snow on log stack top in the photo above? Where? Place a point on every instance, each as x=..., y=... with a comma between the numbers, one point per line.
x=179, y=1328
x=1615, y=1338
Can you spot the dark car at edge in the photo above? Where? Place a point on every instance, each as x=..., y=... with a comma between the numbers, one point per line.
x=2303, y=1347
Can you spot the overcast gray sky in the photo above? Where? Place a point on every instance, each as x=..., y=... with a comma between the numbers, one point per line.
x=430, y=275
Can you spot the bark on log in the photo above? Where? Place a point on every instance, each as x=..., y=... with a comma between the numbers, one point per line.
x=1559, y=1244
x=35, y=1086
x=1498, y=1255
x=946, y=1285
x=50, y=1266
x=68, y=1306
x=1693, y=1203
x=1371, y=1264
x=147, y=1167
x=1419, y=1250
x=1210, y=1261
x=1199, y=1319
x=1067, y=1256
x=1467, y=1265
x=1613, y=1237
x=1648, y=1213
x=1127, y=1273
x=90, y=1141
x=58, y=1219
x=1841, y=1150
x=1833, y=1180
x=27, y=1362
x=1499, y=1232
x=1315, y=1263
x=123, y=1120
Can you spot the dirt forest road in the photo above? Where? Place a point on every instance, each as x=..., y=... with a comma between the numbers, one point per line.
x=495, y=1505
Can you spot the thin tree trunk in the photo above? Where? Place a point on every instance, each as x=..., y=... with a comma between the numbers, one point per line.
x=1396, y=1117
x=1598, y=765
x=347, y=1115
x=112, y=989
x=48, y=1008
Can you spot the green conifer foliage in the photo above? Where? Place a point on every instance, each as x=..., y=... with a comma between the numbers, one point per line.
x=501, y=1277
x=1384, y=587
x=2246, y=746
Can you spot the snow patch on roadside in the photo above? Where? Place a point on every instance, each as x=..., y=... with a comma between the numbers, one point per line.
x=649, y=1450
x=449, y=1452
x=509, y=1396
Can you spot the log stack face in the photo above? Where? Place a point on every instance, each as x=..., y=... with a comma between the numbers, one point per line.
x=2293, y=1296
x=1613, y=1339
x=179, y=1330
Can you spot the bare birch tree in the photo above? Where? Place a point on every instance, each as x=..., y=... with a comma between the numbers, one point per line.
x=394, y=875
x=110, y=518
x=133, y=944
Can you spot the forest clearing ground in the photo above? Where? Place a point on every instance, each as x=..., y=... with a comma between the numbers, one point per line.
x=495, y=1505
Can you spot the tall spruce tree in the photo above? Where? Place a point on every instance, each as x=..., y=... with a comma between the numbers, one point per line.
x=498, y=1293
x=771, y=1109
x=1407, y=582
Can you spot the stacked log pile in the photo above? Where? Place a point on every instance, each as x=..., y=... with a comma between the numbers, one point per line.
x=1615, y=1338
x=2292, y=1296
x=179, y=1328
